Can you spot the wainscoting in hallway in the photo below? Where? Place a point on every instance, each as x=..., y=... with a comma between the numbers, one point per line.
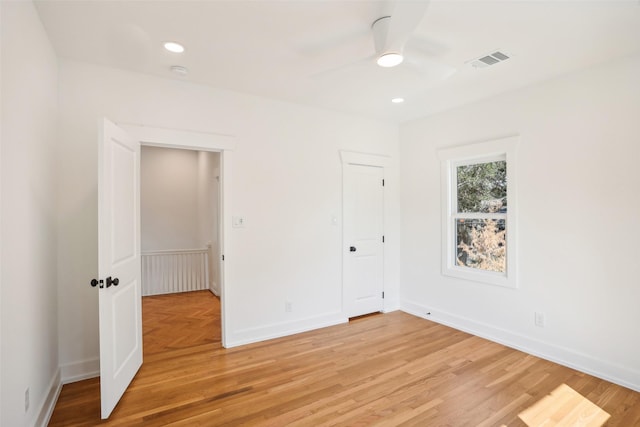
x=384, y=369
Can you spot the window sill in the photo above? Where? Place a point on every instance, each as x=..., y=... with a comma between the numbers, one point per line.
x=480, y=276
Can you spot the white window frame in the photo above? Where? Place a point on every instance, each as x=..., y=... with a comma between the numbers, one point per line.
x=484, y=152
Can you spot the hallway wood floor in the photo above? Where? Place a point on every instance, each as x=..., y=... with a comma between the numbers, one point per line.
x=392, y=369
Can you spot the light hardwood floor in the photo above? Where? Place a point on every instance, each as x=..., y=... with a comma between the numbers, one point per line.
x=392, y=369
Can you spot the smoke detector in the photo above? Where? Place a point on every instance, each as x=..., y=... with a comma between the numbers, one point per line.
x=489, y=59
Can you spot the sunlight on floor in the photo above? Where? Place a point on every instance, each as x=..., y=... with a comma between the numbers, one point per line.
x=564, y=407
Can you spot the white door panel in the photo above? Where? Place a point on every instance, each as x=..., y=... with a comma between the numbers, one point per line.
x=122, y=203
x=363, y=234
x=120, y=303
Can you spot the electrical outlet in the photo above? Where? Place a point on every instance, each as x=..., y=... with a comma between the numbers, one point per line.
x=26, y=400
x=288, y=306
x=539, y=319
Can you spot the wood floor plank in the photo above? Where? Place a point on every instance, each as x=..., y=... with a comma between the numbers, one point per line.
x=383, y=370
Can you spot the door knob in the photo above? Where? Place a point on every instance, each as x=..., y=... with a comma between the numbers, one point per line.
x=95, y=282
x=113, y=282
x=352, y=249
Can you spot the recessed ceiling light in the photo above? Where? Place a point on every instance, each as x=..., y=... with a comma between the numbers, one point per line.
x=174, y=47
x=397, y=100
x=390, y=59
x=179, y=70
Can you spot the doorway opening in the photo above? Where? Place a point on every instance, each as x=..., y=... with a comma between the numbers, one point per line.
x=180, y=247
x=223, y=146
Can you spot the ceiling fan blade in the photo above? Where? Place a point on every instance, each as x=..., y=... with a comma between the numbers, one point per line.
x=429, y=69
x=405, y=18
x=426, y=46
x=339, y=69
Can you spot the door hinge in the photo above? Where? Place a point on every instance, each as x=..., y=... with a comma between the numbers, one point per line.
x=383, y=182
x=382, y=239
x=382, y=294
x=223, y=257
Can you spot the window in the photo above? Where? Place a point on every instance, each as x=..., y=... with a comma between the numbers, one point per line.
x=478, y=218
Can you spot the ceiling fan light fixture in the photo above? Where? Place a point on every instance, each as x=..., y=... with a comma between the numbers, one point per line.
x=389, y=59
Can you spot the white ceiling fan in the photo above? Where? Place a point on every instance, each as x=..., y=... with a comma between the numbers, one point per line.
x=393, y=34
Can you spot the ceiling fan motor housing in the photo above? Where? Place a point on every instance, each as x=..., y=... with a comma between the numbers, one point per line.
x=388, y=54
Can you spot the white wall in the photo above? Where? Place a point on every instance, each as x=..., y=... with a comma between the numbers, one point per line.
x=208, y=206
x=169, y=194
x=578, y=215
x=29, y=335
x=286, y=182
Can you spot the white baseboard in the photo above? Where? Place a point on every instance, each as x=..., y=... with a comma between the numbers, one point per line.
x=49, y=403
x=391, y=305
x=82, y=370
x=213, y=288
x=278, y=330
x=563, y=356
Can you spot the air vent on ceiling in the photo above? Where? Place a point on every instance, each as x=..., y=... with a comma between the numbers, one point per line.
x=490, y=59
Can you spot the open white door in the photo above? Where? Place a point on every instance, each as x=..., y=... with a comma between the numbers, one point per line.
x=120, y=303
x=363, y=239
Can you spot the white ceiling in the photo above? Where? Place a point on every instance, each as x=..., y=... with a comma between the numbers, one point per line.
x=315, y=52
